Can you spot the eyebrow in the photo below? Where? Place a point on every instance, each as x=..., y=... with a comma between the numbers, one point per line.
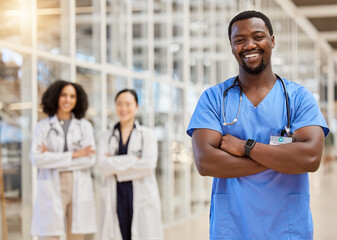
x=242, y=35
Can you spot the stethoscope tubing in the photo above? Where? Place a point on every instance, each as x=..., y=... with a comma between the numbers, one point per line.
x=113, y=135
x=52, y=128
x=235, y=83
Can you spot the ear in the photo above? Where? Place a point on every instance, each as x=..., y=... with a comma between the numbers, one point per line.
x=273, y=41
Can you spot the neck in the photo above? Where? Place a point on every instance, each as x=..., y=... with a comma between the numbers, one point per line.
x=63, y=115
x=263, y=79
x=127, y=124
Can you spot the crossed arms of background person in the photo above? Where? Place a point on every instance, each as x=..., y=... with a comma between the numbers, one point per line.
x=223, y=156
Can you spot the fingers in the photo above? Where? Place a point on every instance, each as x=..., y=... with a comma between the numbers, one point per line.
x=84, y=152
x=88, y=151
x=42, y=148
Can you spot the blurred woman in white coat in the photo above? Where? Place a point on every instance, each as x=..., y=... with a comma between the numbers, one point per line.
x=63, y=150
x=127, y=157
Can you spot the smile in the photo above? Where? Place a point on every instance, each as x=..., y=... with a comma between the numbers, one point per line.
x=253, y=55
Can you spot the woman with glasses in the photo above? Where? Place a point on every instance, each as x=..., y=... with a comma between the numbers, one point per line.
x=63, y=150
x=127, y=157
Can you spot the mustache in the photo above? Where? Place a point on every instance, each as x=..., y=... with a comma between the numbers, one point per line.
x=250, y=51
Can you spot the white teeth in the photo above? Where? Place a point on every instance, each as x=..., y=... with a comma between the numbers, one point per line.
x=252, y=55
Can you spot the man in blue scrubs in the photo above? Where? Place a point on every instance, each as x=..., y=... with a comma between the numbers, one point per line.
x=261, y=186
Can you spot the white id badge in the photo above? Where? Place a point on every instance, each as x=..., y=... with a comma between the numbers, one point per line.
x=277, y=140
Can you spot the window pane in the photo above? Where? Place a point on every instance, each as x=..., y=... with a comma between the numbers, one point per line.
x=15, y=21
x=140, y=35
x=161, y=96
x=177, y=46
x=15, y=140
x=88, y=34
x=53, y=27
x=117, y=32
x=160, y=38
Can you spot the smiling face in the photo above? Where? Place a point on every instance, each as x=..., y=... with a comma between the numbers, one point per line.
x=126, y=107
x=252, y=45
x=67, y=100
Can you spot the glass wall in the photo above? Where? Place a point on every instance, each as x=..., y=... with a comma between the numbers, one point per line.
x=15, y=139
x=168, y=51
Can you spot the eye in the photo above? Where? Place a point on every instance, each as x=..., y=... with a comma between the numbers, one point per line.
x=259, y=37
x=238, y=40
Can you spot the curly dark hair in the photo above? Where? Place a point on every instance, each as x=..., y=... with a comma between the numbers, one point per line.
x=52, y=94
x=247, y=15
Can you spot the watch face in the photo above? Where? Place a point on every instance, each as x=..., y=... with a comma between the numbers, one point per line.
x=250, y=142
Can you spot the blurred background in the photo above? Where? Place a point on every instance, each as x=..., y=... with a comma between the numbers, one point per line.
x=169, y=51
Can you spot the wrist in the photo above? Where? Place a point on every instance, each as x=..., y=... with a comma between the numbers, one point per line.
x=249, y=145
x=75, y=155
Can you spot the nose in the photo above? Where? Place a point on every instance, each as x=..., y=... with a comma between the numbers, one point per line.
x=68, y=98
x=250, y=44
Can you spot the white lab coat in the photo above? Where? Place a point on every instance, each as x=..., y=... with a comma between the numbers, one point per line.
x=48, y=218
x=138, y=165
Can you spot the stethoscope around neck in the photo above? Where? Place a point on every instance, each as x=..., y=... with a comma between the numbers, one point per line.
x=236, y=84
x=117, y=139
x=52, y=128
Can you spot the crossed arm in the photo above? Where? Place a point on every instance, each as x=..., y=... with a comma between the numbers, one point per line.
x=223, y=156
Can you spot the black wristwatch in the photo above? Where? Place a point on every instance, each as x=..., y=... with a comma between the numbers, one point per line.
x=249, y=146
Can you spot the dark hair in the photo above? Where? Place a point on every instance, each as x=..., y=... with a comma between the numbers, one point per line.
x=133, y=92
x=248, y=15
x=52, y=94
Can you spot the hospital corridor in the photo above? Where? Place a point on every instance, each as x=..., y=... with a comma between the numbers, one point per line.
x=131, y=80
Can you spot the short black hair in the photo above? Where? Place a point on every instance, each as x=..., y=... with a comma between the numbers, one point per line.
x=133, y=92
x=248, y=15
x=51, y=97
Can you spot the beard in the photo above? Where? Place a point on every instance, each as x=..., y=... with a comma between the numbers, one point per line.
x=256, y=70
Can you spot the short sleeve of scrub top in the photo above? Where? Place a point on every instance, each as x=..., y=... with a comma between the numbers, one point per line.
x=207, y=113
x=306, y=111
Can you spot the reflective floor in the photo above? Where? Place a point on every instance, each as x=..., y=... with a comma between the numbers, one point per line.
x=323, y=206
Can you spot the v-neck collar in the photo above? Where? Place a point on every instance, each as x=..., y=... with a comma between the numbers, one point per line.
x=118, y=127
x=264, y=99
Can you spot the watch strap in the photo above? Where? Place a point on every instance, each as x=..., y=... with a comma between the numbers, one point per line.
x=250, y=143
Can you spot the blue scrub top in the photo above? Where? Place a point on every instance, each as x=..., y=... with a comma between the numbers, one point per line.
x=268, y=205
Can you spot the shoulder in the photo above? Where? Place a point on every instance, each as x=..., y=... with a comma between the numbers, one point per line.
x=43, y=123
x=298, y=93
x=144, y=129
x=84, y=123
x=220, y=87
x=146, y=132
x=295, y=89
x=214, y=94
